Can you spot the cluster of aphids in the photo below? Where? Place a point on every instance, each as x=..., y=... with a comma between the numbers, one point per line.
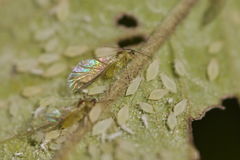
x=82, y=75
x=86, y=72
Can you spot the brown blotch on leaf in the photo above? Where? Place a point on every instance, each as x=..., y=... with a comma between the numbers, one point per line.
x=127, y=21
x=131, y=41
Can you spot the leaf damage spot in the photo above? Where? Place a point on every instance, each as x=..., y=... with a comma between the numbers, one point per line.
x=127, y=21
x=131, y=41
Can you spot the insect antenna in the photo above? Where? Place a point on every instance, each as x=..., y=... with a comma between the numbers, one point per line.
x=133, y=51
x=130, y=50
x=52, y=125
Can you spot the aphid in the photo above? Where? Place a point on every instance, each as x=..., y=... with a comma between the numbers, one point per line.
x=62, y=10
x=97, y=90
x=152, y=70
x=31, y=91
x=126, y=146
x=74, y=51
x=93, y=151
x=128, y=130
x=123, y=115
x=48, y=58
x=179, y=67
x=180, y=107
x=57, y=120
x=51, y=135
x=18, y=154
x=169, y=83
x=213, y=69
x=114, y=135
x=157, y=94
x=171, y=121
x=95, y=112
x=78, y=114
x=55, y=70
x=101, y=126
x=145, y=120
x=106, y=156
x=132, y=88
x=148, y=108
x=89, y=70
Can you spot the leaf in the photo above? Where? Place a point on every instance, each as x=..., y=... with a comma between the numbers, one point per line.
x=77, y=30
x=212, y=11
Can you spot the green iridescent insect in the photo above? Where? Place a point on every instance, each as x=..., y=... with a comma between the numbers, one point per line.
x=89, y=70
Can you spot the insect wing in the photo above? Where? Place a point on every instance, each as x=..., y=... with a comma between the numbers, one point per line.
x=86, y=71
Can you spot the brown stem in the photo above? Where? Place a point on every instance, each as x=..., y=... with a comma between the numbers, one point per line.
x=117, y=89
x=155, y=41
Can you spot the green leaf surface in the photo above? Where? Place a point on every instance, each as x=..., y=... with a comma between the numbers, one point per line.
x=30, y=28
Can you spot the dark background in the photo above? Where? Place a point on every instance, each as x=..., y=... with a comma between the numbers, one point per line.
x=217, y=135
